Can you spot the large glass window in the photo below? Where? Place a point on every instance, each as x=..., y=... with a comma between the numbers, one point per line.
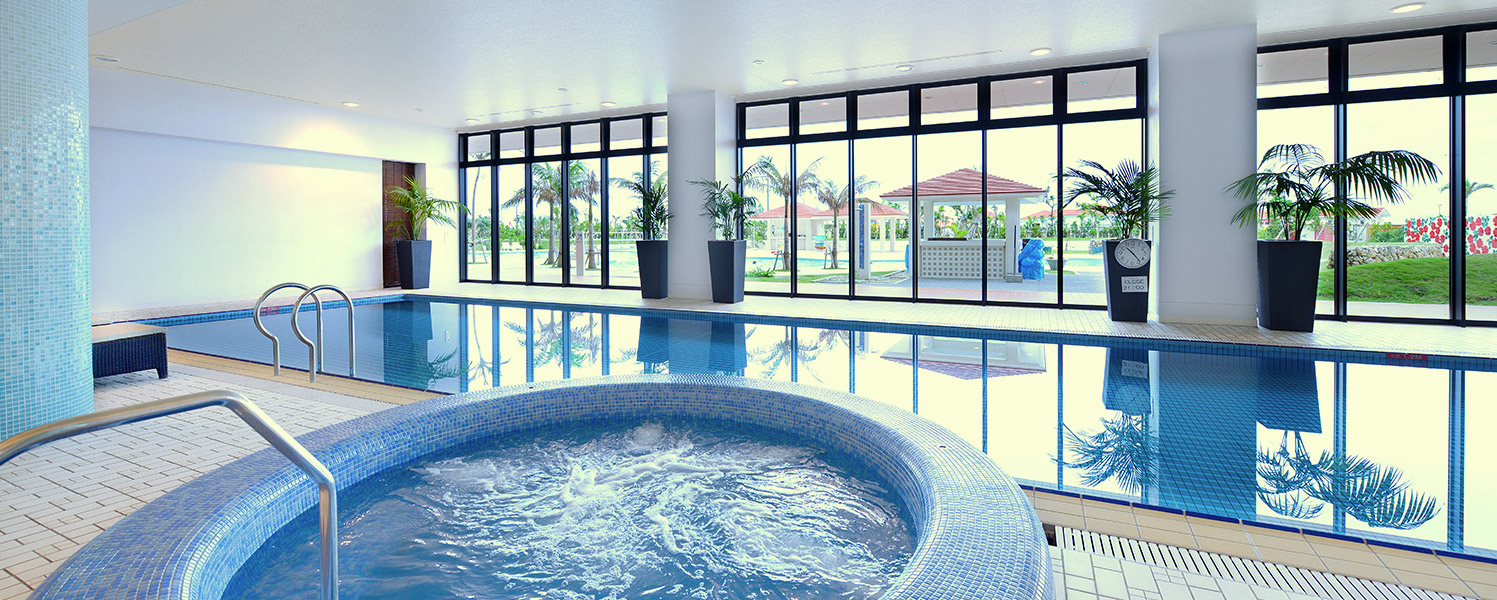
x=772, y=231
x=1481, y=207
x=586, y=226
x=1396, y=93
x=1023, y=206
x=511, y=253
x=479, y=243
x=1105, y=142
x=948, y=202
x=885, y=166
x=822, y=219
x=1313, y=125
x=554, y=222
x=955, y=203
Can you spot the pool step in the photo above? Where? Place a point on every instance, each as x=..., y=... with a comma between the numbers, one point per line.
x=1252, y=572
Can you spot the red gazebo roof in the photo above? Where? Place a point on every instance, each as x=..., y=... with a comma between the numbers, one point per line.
x=964, y=182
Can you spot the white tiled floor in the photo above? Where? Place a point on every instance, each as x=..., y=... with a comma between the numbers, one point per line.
x=56, y=498
x=1087, y=576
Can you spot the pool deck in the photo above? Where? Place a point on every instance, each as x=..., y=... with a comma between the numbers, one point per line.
x=57, y=498
x=1443, y=340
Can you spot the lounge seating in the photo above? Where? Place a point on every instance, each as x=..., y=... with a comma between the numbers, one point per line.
x=129, y=347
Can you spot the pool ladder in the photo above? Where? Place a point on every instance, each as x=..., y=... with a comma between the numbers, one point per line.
x=314, y=349
x=327, y=488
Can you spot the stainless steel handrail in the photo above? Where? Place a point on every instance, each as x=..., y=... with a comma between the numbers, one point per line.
x=275, y=342
x=327, y=488
x=314, y=350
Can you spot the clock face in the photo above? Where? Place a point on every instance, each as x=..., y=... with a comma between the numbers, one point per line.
x=1132, y=253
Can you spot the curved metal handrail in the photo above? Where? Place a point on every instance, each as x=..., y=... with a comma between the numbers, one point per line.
x=275, y=342
x=327, y=488
x=314, y=350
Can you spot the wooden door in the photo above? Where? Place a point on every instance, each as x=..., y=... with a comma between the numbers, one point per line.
x=394, y=176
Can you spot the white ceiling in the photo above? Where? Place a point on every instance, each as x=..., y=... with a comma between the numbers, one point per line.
x=440, y=62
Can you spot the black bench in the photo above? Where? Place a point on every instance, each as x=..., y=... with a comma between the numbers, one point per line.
x=129, y=347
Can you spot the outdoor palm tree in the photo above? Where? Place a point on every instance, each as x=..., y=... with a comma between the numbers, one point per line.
x=587, y=190
x=838, y=199
x=546, y=186
x=788, y=188
x=1295, y=184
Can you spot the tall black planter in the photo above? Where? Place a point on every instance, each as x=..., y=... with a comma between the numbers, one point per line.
x=415, y=263
x=726, y=259
x=1288, y=275
x=654, y=268
x=1122, y=305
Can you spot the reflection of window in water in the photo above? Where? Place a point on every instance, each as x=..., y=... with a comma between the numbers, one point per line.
x=962, y=357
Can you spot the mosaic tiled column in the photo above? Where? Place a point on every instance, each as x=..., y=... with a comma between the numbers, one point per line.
x=45, y=357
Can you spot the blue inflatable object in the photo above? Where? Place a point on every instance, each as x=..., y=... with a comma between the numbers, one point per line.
x=1032, y=260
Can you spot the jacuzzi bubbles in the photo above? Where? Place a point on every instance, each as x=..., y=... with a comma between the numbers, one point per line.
x=656, y=510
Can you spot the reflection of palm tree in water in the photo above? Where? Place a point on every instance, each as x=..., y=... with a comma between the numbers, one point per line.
x=1294, y=485
x=1290, y=482
x=481, y=365
x=806, y=348
x=550, y=345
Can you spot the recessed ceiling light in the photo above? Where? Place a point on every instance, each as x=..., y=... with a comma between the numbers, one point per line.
x=561, y=89
x=351, y=104
x=1406, y=8
x=472, y=121
x=105, y=58
x=758, y=63
x=903, y=68
x=535, y=112
x=1039, y=51
x=608, y=104
x=419, y=110
x=791, y=82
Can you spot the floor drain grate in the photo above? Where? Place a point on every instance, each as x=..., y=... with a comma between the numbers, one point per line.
x=1252, y=572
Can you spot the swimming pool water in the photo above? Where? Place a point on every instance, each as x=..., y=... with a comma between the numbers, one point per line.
x=689, y=510
x=1372, y=446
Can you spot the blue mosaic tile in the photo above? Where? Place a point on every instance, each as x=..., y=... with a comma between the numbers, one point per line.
x=977, y=536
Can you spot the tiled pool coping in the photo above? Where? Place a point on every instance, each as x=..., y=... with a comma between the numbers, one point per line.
x=977, y=535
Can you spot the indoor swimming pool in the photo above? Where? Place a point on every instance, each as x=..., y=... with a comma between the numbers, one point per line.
x=1373, y=446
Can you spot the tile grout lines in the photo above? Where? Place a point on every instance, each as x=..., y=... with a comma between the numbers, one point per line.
x=1253, y=572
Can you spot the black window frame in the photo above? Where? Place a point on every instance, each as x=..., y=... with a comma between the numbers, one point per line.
x=528, y=158
x=984, y=123
x=1339, y=97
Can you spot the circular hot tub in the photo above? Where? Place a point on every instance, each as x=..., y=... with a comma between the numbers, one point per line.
x=975, y=534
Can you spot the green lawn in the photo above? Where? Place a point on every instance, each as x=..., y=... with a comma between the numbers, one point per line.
x=1416, y=280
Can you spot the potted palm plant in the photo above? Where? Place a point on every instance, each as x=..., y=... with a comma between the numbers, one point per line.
x=414, y=252
x=1295, y=185
x=651, y=216
x=729, y=207
x=1129, y=195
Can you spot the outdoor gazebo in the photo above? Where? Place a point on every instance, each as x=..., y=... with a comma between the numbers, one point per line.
x=809, y=222
x=961, y=258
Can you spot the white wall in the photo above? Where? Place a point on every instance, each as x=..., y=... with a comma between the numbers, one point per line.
x=1203, y=134
x=703, y=146
x=202, y=194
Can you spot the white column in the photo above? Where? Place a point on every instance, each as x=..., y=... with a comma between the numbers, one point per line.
x=1202, y=135
x=45, y=358
x=703, y=142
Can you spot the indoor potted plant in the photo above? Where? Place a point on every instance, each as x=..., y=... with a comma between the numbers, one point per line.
x=1295, y=185
x=1129, y=194
x=651, y=216
x=729, y=207
x=414, y=252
